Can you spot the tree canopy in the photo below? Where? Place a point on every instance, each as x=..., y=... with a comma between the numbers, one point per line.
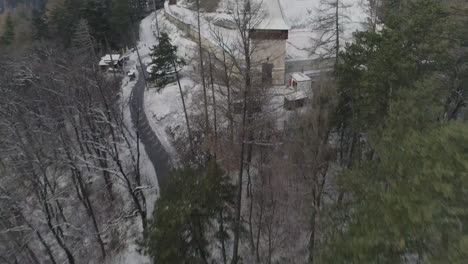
x=165, y=61
x=8, y=35
x=400, y=92
x=191, y=201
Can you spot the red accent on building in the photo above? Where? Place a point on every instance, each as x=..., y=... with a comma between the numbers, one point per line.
x=173, y=2
x=263, y=34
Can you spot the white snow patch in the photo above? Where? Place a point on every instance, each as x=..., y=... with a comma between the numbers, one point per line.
x=130, y=254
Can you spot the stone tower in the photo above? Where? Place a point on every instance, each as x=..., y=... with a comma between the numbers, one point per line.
x=269, y=37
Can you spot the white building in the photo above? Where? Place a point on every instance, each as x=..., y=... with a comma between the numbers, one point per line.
x=298, y=91
x=300, y=82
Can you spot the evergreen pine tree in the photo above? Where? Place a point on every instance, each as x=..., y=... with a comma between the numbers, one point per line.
x=82, y=42
x=140, y=8
x=39, y=24
x=405, y=199
x=410, y=203
x=8, y=35
x=64, y=19
x=97, y=13
x=418, y=41
x=165, y=61
x=122, y=13
x=189, y=204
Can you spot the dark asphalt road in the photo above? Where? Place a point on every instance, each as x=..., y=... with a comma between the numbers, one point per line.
x=155, y=150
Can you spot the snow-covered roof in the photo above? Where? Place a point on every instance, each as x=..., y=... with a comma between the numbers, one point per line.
x=111, y=57
x=300, y=77
x=108, y=58
x=274, y=18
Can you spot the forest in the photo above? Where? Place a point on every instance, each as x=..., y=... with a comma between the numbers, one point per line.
x=373, y=168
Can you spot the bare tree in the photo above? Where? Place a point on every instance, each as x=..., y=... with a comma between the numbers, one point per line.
x=329, y=25
x=202, y=71
x=246, y=16
x=237, y=57
x=373, y=9
x=62, y=136
x=311, y=151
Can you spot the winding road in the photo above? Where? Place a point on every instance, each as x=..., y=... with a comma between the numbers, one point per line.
x=155, y=150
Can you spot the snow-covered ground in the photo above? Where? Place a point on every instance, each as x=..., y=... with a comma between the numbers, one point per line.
x=147, y=168
x=148, y=39
x=299, y=14
x=130, y=254
x=164, y=108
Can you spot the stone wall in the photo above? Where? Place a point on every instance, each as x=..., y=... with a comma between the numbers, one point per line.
x=191, y=32
x=274, y=52
x=266, y=51
x=308, y=65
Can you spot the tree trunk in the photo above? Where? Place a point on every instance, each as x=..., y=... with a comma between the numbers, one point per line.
x=228, y=87
x=337, y=28
x=202, y=72
x=239, y=183
x=221, y=238
x=214, y=108
x=189, y=132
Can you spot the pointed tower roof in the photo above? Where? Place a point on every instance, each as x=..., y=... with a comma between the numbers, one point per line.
x=274, y=18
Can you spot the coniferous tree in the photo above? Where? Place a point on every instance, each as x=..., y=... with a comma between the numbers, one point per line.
x=139, y=8
x=165, y=61
x=63, y=21
x=8, y=35
x=417, y=41
x=97, y=15
x=409, y=203
x=122, y=13
x=82, y=42
x=109, y=22
x=189, y=204
x=403, y=194
x=39, y=24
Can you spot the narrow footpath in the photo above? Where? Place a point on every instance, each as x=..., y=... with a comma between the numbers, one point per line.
x=155, y=150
